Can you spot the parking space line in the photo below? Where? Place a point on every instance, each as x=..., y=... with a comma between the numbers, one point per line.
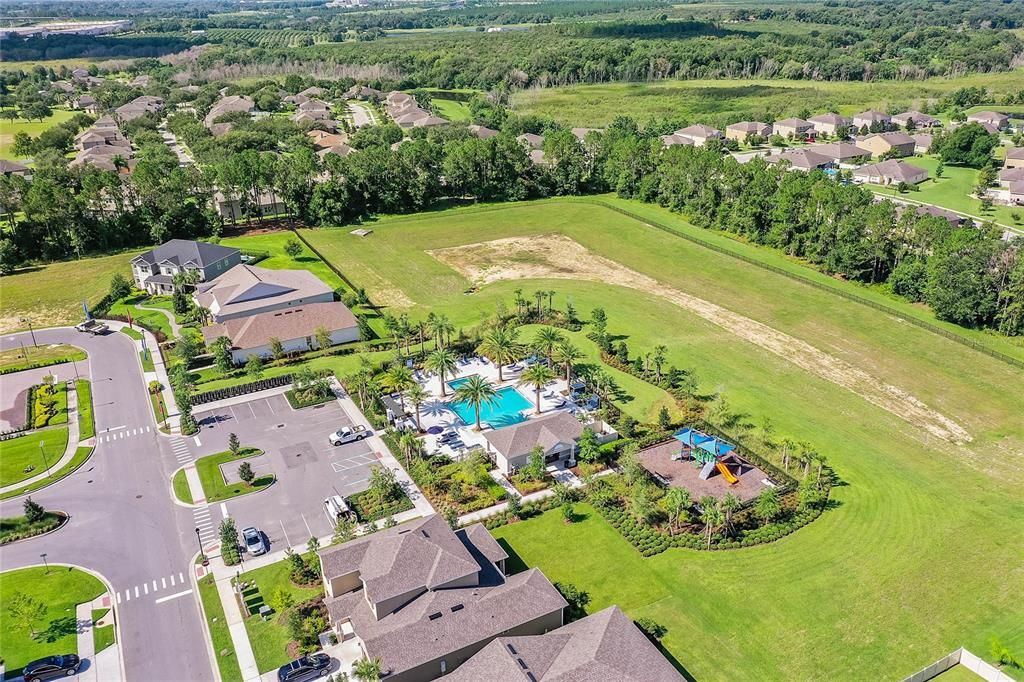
x=288, y=543
x=127, y=595
x=271, y=406
x=308, y=529
x=154, y=586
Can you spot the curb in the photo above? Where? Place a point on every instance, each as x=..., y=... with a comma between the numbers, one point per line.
x=174, y=497
x=67, y=519
x=210, y=652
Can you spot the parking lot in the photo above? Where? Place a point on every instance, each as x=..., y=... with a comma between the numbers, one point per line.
x=308, y=468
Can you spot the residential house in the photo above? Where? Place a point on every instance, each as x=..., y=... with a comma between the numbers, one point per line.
x=155, y=269
x=314, y=105
x=423, y=598
x=1014, y=158
x=247, y=290
x=891, y=172
x=992, y=118
x=483, y=132
x=794, y=128
x=830, y=123
x=744, y=129
x=312, y=91
x=801, y=159
x=955, y=219
x=842, y=154
x=295, y=328
x=311, y=116
x=140, y=81
x=429, y=122
x=922, y=142
x=362, y=92
x=233, y=208
x=1016, y=193
x=119, y=157
x=538, y=158
x=581, y=133
x=221, y=129
x=556, y=433
x=699, y=134
x=871, y=118
x=1008, y=175
x=531, y=140
x=899, y=144
x=603, y=647
x=62, y=87
x=341, y=150
x=673, y=140
x=325, y=140
x=87, y=103
x=139, y=106
x=228, y=105
x=920, y=120
x=14, y=168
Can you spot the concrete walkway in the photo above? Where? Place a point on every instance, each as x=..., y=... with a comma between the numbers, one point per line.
x=195, y=486
x=104, y=666
x=74, y=433
x=175, y=327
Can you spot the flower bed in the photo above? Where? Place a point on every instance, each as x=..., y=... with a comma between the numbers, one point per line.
x=20, y=528
x=369, y=507
x=298, y=404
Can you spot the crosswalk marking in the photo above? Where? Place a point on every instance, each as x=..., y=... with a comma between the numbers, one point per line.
x=118, y=597
x=136, y=591
x=153, y=587
x=145, y=588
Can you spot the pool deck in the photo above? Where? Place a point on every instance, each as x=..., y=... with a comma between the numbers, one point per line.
x=437, y=413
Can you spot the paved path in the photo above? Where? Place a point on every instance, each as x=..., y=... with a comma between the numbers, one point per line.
x=362, y=114
x=1009, y=231
x=69, y=450
x=171, y=320
x=124, y=523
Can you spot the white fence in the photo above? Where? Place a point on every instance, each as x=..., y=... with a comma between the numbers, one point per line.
x=965, y=658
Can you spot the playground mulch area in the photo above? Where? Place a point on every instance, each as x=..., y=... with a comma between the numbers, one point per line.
x=685, y=473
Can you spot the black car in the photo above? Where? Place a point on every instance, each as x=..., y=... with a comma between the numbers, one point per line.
x=52, y=667
x=305, y=668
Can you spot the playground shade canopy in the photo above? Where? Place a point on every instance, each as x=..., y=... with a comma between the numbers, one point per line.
x=709, y=444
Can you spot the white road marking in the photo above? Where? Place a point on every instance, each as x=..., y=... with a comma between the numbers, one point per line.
x=117, y=428
x=288, y=543
x=169, y=597
x=127, y=595
x=136, y=591
x=172, y=580
x=224, y=510
x=147, y=429
x=181, y=577
x=271, y=406
x=307, y=525
x=196, y=439
x=145, y=588
x=121, y=435
x=118, y=597
x=154, y=586
x=163, y=582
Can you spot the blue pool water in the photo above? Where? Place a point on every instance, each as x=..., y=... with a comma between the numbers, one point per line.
x=506, y=409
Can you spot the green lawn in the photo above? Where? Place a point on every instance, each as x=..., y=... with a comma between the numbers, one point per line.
x=214, y=486
x=875, y=584
x=8, y=129
x=156, y=401
x=718, y=101
x=216, y=621
x=15, y=359
x=61, y=590
x=86, y=420
x=452, y=110
x=273, y=243
x=953, y=191
x=151, y=319
x=42, y=294
x=102, y=637
x=78, y=459
x=181, y=489
x=146, y=358
x=270, y=638
x=131, y=333
x=29, y=450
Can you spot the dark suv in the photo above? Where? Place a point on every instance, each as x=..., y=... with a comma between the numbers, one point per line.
x=305, y=668
x=52, y=667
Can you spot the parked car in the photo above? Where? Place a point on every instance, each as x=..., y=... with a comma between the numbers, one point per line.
x=52, y=668
x=305, y=668
x=337, y=509
x=92, y=326
x=254, y=541
x=348, y=434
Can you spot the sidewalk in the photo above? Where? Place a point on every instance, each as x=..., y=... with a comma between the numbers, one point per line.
x=104, y=666
x=419, y=500
x=74, y=433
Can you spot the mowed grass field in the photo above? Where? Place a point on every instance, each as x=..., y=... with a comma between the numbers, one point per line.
x=52, y=295
x=713, y=101
x=920, y=556
x=8, y=129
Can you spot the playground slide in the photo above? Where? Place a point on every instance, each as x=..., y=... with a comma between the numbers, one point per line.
x=724, y=470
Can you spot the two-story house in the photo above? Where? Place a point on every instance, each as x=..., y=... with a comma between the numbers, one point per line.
x=247, y=290
x=154, y=270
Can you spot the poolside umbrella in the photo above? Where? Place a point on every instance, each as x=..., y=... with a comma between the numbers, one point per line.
x=434, y=430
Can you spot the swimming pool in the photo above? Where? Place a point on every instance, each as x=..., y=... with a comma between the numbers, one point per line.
x=507, y=408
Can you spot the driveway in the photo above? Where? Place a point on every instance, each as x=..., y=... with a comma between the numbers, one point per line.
x=307, y=466
x=362, y=114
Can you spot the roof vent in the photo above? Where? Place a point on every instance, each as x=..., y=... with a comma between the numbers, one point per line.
x=458, y=607
x=512, y=649
x=522, y=664
x=434, y=616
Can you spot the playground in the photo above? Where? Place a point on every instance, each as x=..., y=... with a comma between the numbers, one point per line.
x=704, y=465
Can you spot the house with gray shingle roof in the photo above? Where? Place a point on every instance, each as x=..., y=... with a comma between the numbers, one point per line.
x=602, y=647
x=154, y=270
x=424, y=599
x=556, y=433
x=247, y=290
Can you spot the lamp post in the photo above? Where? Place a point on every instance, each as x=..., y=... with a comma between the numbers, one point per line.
x=202, y=555
x=31, y=331
x=75, y=365
x=46, y=565
x=42, y=452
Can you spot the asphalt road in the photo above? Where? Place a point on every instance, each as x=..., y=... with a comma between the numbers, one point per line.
x=124, y=524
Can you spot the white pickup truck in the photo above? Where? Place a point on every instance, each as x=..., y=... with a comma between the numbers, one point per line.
x=92, y=326
x=348, y=434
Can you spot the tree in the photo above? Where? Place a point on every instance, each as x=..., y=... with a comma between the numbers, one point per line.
x=344, y=530
x=476, y=392
x=383, y=483
x=234, y=445
x=254, y=367
x=451, y=517
x=568, y=354
x=443, y=362
x=186, y=348
x=664, y=419
x=417, y=395
x=677, y=504
x=367, y=670
x=538, y=376
x=654, y=630
x=246, y=473
x=730, y=504
x=120, y=287
x=312, y=545
x=659, y=361
x=968, y=145
x=276, y=348
x=711, y=516
x=397, y=379
x=568, y=513
x=228, y=534
x=222, y=355
x=587, y=449
x=33, y=510
x=546, y=340
x=501, y=346
x=323, y=338
x=576, y=598
x=293, y=248
x=959, y=287
x=768, y=505
x=281, y=600
x=808, y=494
x=535, y=465
x=26, y=611
x=515, y=506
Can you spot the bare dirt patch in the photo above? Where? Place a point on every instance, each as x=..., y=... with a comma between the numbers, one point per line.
x=559, y=257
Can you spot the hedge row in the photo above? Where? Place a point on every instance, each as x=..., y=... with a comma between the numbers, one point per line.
x=34, y=365
x=241, y=389
x=297, y=404
x=12, y=530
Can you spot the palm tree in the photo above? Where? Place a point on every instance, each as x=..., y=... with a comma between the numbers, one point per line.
x=546, y=340
x=730, y=503
x=417, y=395
x=568, y=354
x=397, y=379
x=551, y=299
x=677, y=502
x=710, y=515
x=768, y=505
x=445, y=329
x=367, y=670
x=820, y=459
x=659, y=360
x=410, y=445
x=476, y=392
x=536, y=376
x=501, y=345
x=520, y=301
x=444, y=363
x=539, y=296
